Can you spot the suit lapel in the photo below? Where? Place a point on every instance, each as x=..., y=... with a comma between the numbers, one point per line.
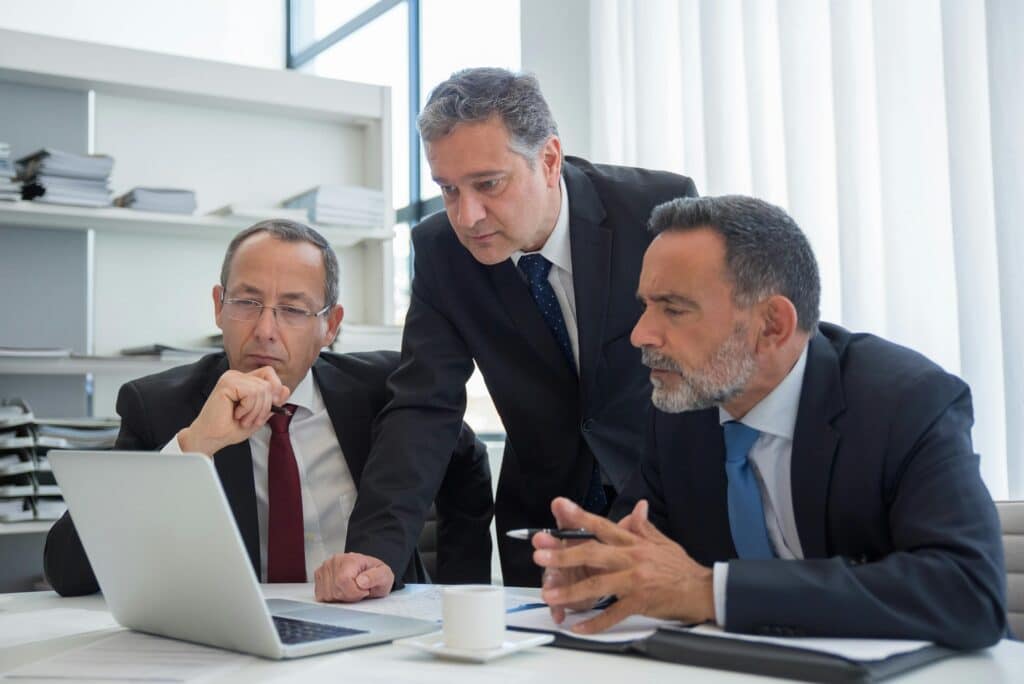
x=348, y=406
x=591, y=245
x=814, y=446
x=703, y=466
x=234, y=468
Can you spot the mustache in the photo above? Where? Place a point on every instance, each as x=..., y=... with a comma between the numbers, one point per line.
x=658, y=361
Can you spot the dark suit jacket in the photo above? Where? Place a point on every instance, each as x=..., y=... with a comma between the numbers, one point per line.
x=462, y=312
x=153, y=409
x=899, y=534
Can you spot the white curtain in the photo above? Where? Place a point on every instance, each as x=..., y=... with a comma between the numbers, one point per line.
x=891, y=131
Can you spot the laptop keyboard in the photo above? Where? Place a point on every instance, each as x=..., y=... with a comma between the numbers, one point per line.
x=294, y=631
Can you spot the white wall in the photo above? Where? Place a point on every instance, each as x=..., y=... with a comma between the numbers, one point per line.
x=247, y=32
x=556, y=48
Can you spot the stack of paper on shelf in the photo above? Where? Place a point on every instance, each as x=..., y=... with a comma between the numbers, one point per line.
x=167, y=200
x=10, y=189
x=345, y=205
x=59, y=177
x=254, y=213
x=171, y=353
x=34, y=352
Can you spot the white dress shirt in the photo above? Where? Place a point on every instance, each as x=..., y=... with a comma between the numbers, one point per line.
x=558, y=250
x=770, y=457
x=328, y=490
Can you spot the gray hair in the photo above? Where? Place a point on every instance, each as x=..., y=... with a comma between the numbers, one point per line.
x=766, y=253
x=288, y=231
x=474, y=95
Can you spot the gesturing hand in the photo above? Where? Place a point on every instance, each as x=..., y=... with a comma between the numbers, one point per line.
x=238, y=406
x=648, y=572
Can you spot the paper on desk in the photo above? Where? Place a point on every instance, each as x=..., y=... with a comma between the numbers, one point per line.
x=136, y=657
x=24, y=628
x=632, y=628
x=854, y=649
x=421, y=601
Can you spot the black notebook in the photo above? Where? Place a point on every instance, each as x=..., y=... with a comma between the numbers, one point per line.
x=687, y=647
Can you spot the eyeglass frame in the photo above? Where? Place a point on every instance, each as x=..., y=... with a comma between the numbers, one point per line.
x=309, y=314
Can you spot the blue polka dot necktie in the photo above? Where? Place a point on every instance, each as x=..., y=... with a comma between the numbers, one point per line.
x=536, y=269
x=746, y=510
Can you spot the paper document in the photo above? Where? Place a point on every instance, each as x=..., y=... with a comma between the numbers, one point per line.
x=24, y=628
x=420, y=601
x=135, y=657
x=854, y=649
x=632, y=628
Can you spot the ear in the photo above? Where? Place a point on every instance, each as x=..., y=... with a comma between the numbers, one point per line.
x=218, y=304
x=778, y=320
x=334, y=317
x=551, y=161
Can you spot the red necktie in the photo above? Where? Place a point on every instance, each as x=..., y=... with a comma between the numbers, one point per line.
x=286, y=547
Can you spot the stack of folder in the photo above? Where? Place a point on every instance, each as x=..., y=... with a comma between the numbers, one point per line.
x=10, y=189
x=17, y=463
x=28, y=490
x=344, y=205
x=167, y=200
x=59, y=177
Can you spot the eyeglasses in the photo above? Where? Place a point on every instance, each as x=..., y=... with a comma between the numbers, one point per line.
x=251, y=310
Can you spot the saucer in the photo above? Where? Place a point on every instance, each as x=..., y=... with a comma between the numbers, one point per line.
x=514, y=641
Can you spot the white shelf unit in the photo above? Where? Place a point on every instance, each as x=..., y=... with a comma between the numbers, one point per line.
x=27, y=527
x=236, y=135
x=133, y=222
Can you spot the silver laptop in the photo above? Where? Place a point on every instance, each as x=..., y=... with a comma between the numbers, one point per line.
x=170, y=561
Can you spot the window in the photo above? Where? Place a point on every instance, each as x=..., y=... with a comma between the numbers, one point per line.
x=410, y=45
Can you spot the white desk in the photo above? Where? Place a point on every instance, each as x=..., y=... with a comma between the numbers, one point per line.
x=380, y=664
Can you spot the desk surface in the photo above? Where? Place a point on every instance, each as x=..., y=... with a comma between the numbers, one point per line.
x=387, y=663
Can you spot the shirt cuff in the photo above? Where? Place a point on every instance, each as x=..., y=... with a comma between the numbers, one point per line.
x=172, y=447
x=721, y=580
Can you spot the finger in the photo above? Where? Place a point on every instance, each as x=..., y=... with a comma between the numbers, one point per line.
x=586, y=590
x=612, y=615
x=569, y=515
x=346, y=568
x=374, y=577
x=323, y=582
x=589, y=554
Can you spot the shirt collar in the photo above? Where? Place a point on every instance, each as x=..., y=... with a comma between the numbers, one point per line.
x=557, y=249
x=306, y=394
x=776, y=413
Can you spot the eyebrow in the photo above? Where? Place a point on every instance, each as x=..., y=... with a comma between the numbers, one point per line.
x=287, y=296
x=669, y=298
x=473, y=176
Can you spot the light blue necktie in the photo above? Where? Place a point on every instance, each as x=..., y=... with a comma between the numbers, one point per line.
x=746, y=511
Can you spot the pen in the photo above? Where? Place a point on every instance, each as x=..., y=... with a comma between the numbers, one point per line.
x=527, y=533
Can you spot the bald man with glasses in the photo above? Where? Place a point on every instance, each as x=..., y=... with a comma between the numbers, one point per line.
x=289, y=428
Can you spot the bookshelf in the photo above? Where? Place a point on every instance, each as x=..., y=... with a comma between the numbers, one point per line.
x=99, y=280
x=111, y=278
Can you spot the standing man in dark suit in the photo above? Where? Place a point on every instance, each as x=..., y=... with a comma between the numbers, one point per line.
x=288, y=426
x=800, y=480
x=529, y=275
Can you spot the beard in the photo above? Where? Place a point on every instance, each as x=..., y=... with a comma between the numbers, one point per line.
x=721, y=379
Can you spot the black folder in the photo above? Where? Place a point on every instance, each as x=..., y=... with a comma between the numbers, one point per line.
x=757, y=657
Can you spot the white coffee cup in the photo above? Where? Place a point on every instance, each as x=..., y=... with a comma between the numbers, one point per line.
x=473, y=616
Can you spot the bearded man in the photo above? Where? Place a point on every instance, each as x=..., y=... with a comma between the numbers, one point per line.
x=800, y=479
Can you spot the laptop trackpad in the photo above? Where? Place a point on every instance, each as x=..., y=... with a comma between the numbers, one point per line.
x=318, y=612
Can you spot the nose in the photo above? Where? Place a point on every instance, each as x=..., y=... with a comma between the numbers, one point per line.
x=266, y=324
x=470, y=210
x=644, y=334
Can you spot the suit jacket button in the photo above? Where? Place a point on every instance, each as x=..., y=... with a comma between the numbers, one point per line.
x=588, y=425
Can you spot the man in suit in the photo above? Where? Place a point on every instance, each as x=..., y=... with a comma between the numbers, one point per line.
x=800, y=480
x=288, y=426
x=529, y=275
